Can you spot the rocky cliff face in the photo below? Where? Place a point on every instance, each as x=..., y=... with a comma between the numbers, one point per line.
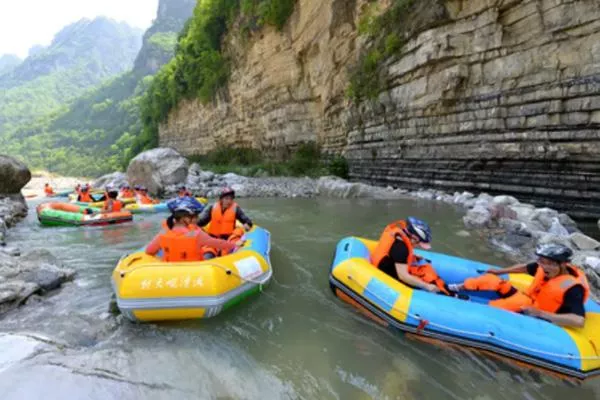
x=503, y=96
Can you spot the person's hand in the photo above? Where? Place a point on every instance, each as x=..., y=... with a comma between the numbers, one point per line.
x=247, y=227
x=532, y=311
x=493, y=271
x=432, y=288
x=240, y=243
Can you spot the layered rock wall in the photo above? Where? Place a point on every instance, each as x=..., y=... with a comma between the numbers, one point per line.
x=504, y=96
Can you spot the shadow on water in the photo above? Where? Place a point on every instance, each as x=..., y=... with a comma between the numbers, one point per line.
x=295, y=340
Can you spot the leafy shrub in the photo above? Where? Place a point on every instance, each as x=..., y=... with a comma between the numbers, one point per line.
x=338, y=166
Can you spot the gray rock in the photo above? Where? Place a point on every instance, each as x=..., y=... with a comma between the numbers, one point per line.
x=523, y=211
x=557, y=229
x=592, y=262
x=567, y=222
x=463, y=197
x=550, y=238
x=116, y=179
x=545, y=217
x=505, y=200
x=583, y=242
x=14, y=175
x=499, y=211
x=157, y=169
x=463, y=233
x=477, y=217
x=515, y=227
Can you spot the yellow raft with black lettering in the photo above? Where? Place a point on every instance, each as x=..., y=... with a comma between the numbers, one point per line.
x=148, y=289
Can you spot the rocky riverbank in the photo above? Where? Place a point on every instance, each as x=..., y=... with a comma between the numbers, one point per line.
x=35, y=187
x=35, y=273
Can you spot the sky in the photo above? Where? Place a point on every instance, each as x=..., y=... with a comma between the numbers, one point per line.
x=24, y=23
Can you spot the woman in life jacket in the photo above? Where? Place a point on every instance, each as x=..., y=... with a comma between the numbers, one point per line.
x=395, y=256
x=182, y=240
x=222, y=217
x=85, y=196
x=111, y=204
x=558, y=292
x=48, y=191
x=142, y=196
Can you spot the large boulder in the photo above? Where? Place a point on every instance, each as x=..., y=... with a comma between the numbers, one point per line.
x=14, y=175
x=158, y=168
x=116, y=179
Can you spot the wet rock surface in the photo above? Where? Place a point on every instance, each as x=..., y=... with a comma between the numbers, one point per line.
x=37, y=272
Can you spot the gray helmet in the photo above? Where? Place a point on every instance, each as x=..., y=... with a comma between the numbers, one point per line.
x=555, y=252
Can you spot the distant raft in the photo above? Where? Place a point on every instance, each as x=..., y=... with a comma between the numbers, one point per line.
x=66, y=214
x=148, y=289
x=147, y=208
x=571, y=352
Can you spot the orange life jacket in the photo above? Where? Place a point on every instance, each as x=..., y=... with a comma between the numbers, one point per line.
x=127, y=194
x=424, y=272
x=144, y=199
x=48, y=190
x=222, y=224
x=179, y=246
x=86, y=197
x=117, y=206
x=548, y=295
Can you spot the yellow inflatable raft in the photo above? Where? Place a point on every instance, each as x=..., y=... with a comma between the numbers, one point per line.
x=148, y=289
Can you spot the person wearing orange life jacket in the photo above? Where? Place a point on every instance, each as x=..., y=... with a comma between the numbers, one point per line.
x=111, y=204
x=395, y=255
x=126, y=192
x=85, y=196
x=48, y=191
x=558, y=292
x=222, y=217
x=142, y=196
x=184, y=192
x=182, y=240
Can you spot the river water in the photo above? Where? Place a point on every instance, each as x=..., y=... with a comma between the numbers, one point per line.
x=295, y=341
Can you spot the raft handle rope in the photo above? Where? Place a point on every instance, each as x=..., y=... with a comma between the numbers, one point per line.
x=423, y=323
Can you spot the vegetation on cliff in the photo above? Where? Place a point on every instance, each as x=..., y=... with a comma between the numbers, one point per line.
x=306, y=160
x=200, y=67
x=387, y=33
x=95, y=131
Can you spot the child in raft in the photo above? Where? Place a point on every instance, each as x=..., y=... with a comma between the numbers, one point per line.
x=182, y=240
x=48, y=190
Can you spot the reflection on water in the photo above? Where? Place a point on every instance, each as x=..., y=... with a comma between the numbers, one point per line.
x=294, y=341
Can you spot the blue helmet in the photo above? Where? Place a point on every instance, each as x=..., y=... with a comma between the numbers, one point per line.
x=185, y=202
x=419, y=229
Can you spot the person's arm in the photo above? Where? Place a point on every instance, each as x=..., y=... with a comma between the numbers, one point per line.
x=515, y=269
x=243, y=218
x=204, y=239
x=154, y=246
x=406, y=277
x=570, y=314
x=204, y=218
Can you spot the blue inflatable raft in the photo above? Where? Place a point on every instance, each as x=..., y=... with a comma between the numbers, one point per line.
x=569, y=352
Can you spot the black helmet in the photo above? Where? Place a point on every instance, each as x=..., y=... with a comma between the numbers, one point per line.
x=419, y=229
x=555, y=252
x=227, y=192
